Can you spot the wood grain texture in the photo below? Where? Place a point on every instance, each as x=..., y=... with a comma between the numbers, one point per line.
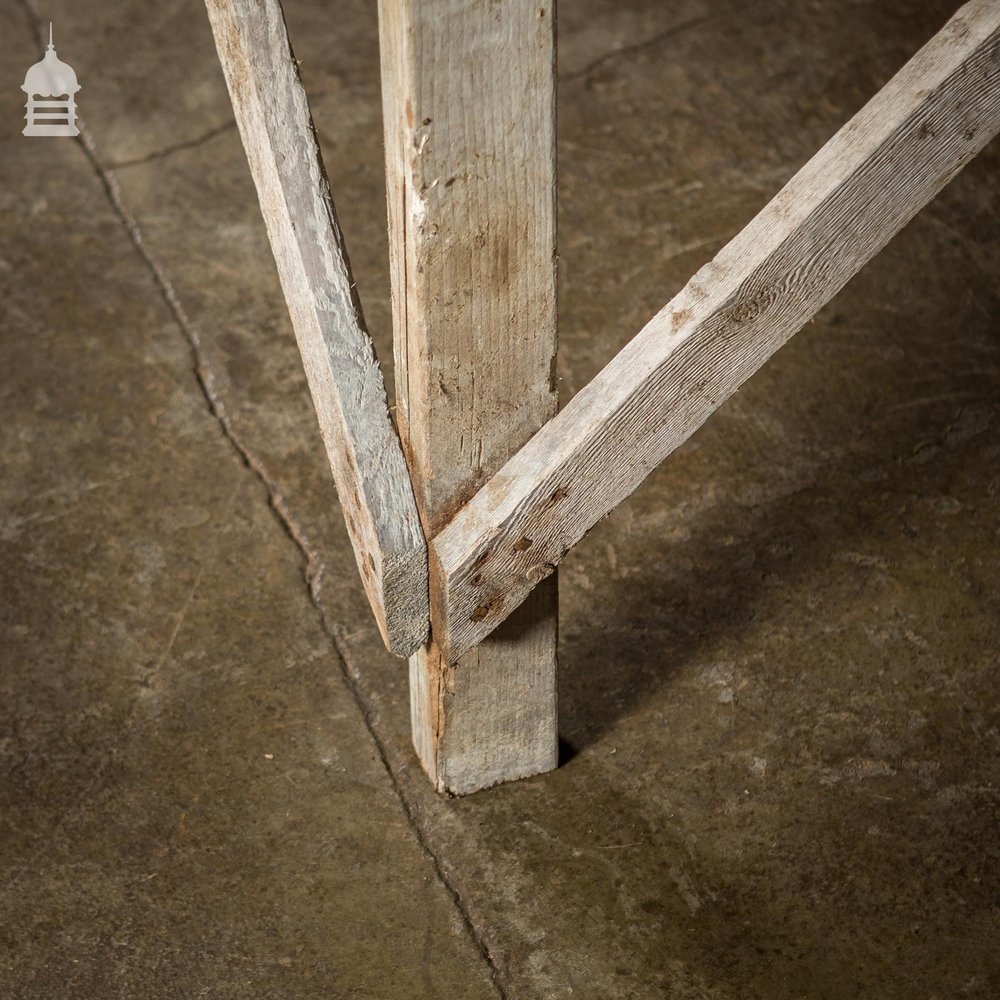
x=832, y=217
x=339, y=359
x=469, y=111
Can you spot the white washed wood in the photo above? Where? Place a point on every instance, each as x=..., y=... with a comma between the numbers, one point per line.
x=468, y=100
x=339, y=359
x=831, y=218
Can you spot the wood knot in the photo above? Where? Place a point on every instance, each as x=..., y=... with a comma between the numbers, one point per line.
x=557, y=495
x=745, y=311
x=522, y=544
x=749, y=309
x=493, y=605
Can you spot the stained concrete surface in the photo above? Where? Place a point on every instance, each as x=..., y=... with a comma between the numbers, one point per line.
x=778, y=659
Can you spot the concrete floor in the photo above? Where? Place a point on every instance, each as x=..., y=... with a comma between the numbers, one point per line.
x=778, y=660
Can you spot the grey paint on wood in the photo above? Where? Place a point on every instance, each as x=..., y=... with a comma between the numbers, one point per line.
x=339, y=359
x=469, y=110
x=839, y=210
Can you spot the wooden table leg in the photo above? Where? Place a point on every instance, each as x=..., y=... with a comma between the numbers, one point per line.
x=469, y=106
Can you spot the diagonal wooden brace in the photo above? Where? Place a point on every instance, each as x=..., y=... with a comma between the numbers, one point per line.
x=834, y=216
x=339, y=359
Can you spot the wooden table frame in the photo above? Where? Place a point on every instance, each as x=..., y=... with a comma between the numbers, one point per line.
x=458, y=541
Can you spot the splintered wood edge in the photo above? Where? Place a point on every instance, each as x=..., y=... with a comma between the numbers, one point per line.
x=344, y=377
x=841, y=208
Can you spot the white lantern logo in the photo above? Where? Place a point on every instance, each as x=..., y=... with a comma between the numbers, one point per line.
x=51, y=78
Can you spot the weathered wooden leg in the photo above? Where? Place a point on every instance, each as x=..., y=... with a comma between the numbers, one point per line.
x=469, y=106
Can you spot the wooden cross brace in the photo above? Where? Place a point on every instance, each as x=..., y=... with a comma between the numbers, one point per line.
x=337, y=353
x=502, y=526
